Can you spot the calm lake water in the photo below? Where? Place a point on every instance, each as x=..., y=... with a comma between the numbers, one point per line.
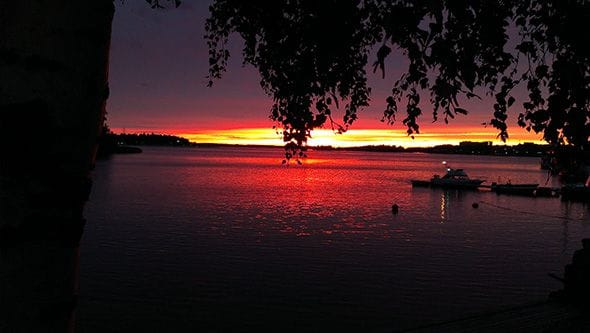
x=204, y=239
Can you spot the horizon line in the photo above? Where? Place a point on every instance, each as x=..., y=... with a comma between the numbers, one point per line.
x=352, y=138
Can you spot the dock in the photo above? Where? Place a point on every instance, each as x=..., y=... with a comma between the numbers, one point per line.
x=527, y=190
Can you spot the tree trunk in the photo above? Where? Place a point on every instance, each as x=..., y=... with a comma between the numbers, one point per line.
x=53, y=89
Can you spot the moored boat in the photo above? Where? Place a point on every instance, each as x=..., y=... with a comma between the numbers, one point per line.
x=515, y=189
x=454, y=178
x=547, y=192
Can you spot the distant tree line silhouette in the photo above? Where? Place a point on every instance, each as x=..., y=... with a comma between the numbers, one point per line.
x=112, y=143
x=149, y=139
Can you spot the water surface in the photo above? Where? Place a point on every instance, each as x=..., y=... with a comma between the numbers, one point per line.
x=229, y=239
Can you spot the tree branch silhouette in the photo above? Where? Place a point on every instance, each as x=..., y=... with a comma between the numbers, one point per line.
x=311, y=52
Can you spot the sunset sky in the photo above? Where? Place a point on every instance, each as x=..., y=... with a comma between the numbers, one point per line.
x=158, y=69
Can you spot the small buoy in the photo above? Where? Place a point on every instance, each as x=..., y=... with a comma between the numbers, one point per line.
x=394, y=209
x=475, y=205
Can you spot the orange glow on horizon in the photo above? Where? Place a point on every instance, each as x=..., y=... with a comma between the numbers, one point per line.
x=356, y=137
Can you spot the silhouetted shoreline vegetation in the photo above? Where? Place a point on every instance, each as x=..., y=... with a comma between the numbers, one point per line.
x=151, y=139
x=466, y=148
x=122, y=143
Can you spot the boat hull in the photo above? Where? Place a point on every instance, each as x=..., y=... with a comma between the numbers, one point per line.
x=515, y=189
x=471, y=184
x=546, y=192
x=421, y=183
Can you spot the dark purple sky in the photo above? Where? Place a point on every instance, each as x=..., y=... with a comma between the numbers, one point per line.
x=158, y=70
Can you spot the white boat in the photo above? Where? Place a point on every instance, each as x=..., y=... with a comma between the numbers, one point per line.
x=454, y=178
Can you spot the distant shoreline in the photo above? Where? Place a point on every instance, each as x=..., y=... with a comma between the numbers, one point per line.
x=465, y=148
x=112, y=143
